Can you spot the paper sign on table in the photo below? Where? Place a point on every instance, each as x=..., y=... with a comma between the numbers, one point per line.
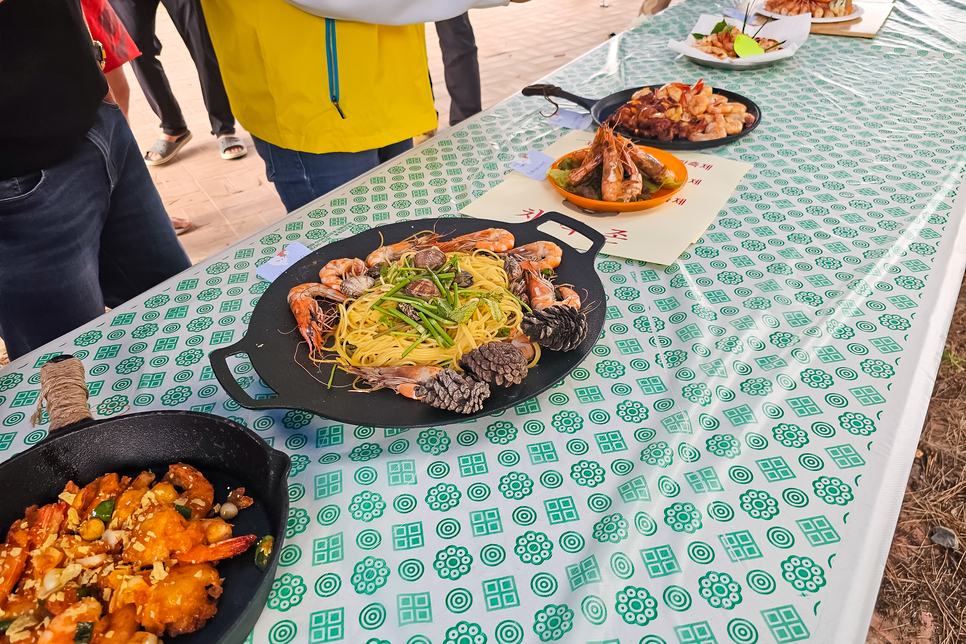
x=533, y=164
x=570, y=120
x=658, y=235
x=289, y=256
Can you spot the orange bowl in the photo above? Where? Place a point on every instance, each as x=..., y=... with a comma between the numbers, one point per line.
x=674, y=164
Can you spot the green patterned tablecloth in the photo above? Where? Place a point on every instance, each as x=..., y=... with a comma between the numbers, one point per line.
x=728, y=464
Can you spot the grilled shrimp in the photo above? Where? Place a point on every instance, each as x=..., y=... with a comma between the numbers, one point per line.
x=333, y=273
x=392, y=252
x=440, y=388
x=543, y=294
x=402, y=380
x=610, y=186
x=633, y=185
x=312, y=321
x=537, y=256
x=497, y=240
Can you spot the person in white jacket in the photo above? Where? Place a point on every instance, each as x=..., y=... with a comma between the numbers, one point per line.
x=394, y=12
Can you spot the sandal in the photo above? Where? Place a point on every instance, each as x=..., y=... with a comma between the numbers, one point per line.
x=167, y=150
x=226, y=142
x=181, y=226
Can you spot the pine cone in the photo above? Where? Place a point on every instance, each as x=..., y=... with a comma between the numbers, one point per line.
x=512, y=268
x=558, y=327
x=453, y=392
x=498, y=363
x=408, y=310
x=519, y=288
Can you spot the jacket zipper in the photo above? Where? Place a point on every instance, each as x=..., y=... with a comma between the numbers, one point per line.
x=332, y=58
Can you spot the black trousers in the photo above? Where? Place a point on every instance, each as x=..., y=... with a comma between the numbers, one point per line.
x=461, y=69
x=138, y=17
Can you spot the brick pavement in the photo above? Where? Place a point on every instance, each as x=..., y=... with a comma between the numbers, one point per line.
x=229, y=200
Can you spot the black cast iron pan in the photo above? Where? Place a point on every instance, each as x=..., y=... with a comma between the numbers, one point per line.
x=228, y=454
x=273, y=345
x=601, y=109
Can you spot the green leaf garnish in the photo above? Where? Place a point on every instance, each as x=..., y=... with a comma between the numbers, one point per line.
x=699, y=36
x=462, y=314
x=504, y=332
x=495, y=309
x=721, y=26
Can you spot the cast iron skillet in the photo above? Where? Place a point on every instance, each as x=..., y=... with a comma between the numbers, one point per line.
x=228, y=454
x=273, y=344
x=603, y=108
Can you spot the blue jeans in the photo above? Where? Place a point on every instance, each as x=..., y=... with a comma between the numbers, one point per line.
x=88, y=232
x=301, y=177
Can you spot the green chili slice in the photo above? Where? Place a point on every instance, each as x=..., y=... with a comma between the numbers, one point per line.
x=84, y=632
x=263, y=550
x=104, y=510
x=184, y=510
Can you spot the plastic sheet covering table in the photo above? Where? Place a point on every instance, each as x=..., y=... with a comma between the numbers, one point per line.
x=726, y=467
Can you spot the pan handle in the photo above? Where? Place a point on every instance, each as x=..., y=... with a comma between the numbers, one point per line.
x=597, y=240
x=552, y=90
x=219, y=365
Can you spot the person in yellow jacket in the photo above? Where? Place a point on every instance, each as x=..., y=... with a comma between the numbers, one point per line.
x=325, y=100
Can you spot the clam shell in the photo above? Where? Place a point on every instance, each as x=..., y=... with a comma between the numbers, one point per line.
x=356, y=285
x=430, y=258
x=464, y=279
x=424, y=289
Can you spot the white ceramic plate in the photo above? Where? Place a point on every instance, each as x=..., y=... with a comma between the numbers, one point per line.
x=852, y=16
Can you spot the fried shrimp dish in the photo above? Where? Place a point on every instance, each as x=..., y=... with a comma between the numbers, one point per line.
x=119, y=561
x=440, y=321
x=721, y=45
x=676, y=110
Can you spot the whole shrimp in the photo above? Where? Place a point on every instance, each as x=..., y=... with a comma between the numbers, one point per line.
x=334, y=273
x=402, y=380
x=633, y=185
x=497, y=240
x=392, y=252
x=555, y=325
x=543, y=294
x=591, y=160
x=438, y=387
x=610, y=187
x=537, y=256
x=312, y=321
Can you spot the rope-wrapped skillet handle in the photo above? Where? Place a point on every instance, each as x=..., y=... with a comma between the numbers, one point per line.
x=63, y=388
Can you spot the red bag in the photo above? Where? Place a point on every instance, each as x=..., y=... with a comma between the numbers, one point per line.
x=107, y=28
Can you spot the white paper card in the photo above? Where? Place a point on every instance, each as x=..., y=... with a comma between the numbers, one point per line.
x=793, y=30
x=657, y=235
x=570, y=120
x=282, y=261
x=533, y=164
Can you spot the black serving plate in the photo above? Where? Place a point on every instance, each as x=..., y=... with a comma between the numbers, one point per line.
x=601, y=109
x=228, y=454
x=280, y=357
